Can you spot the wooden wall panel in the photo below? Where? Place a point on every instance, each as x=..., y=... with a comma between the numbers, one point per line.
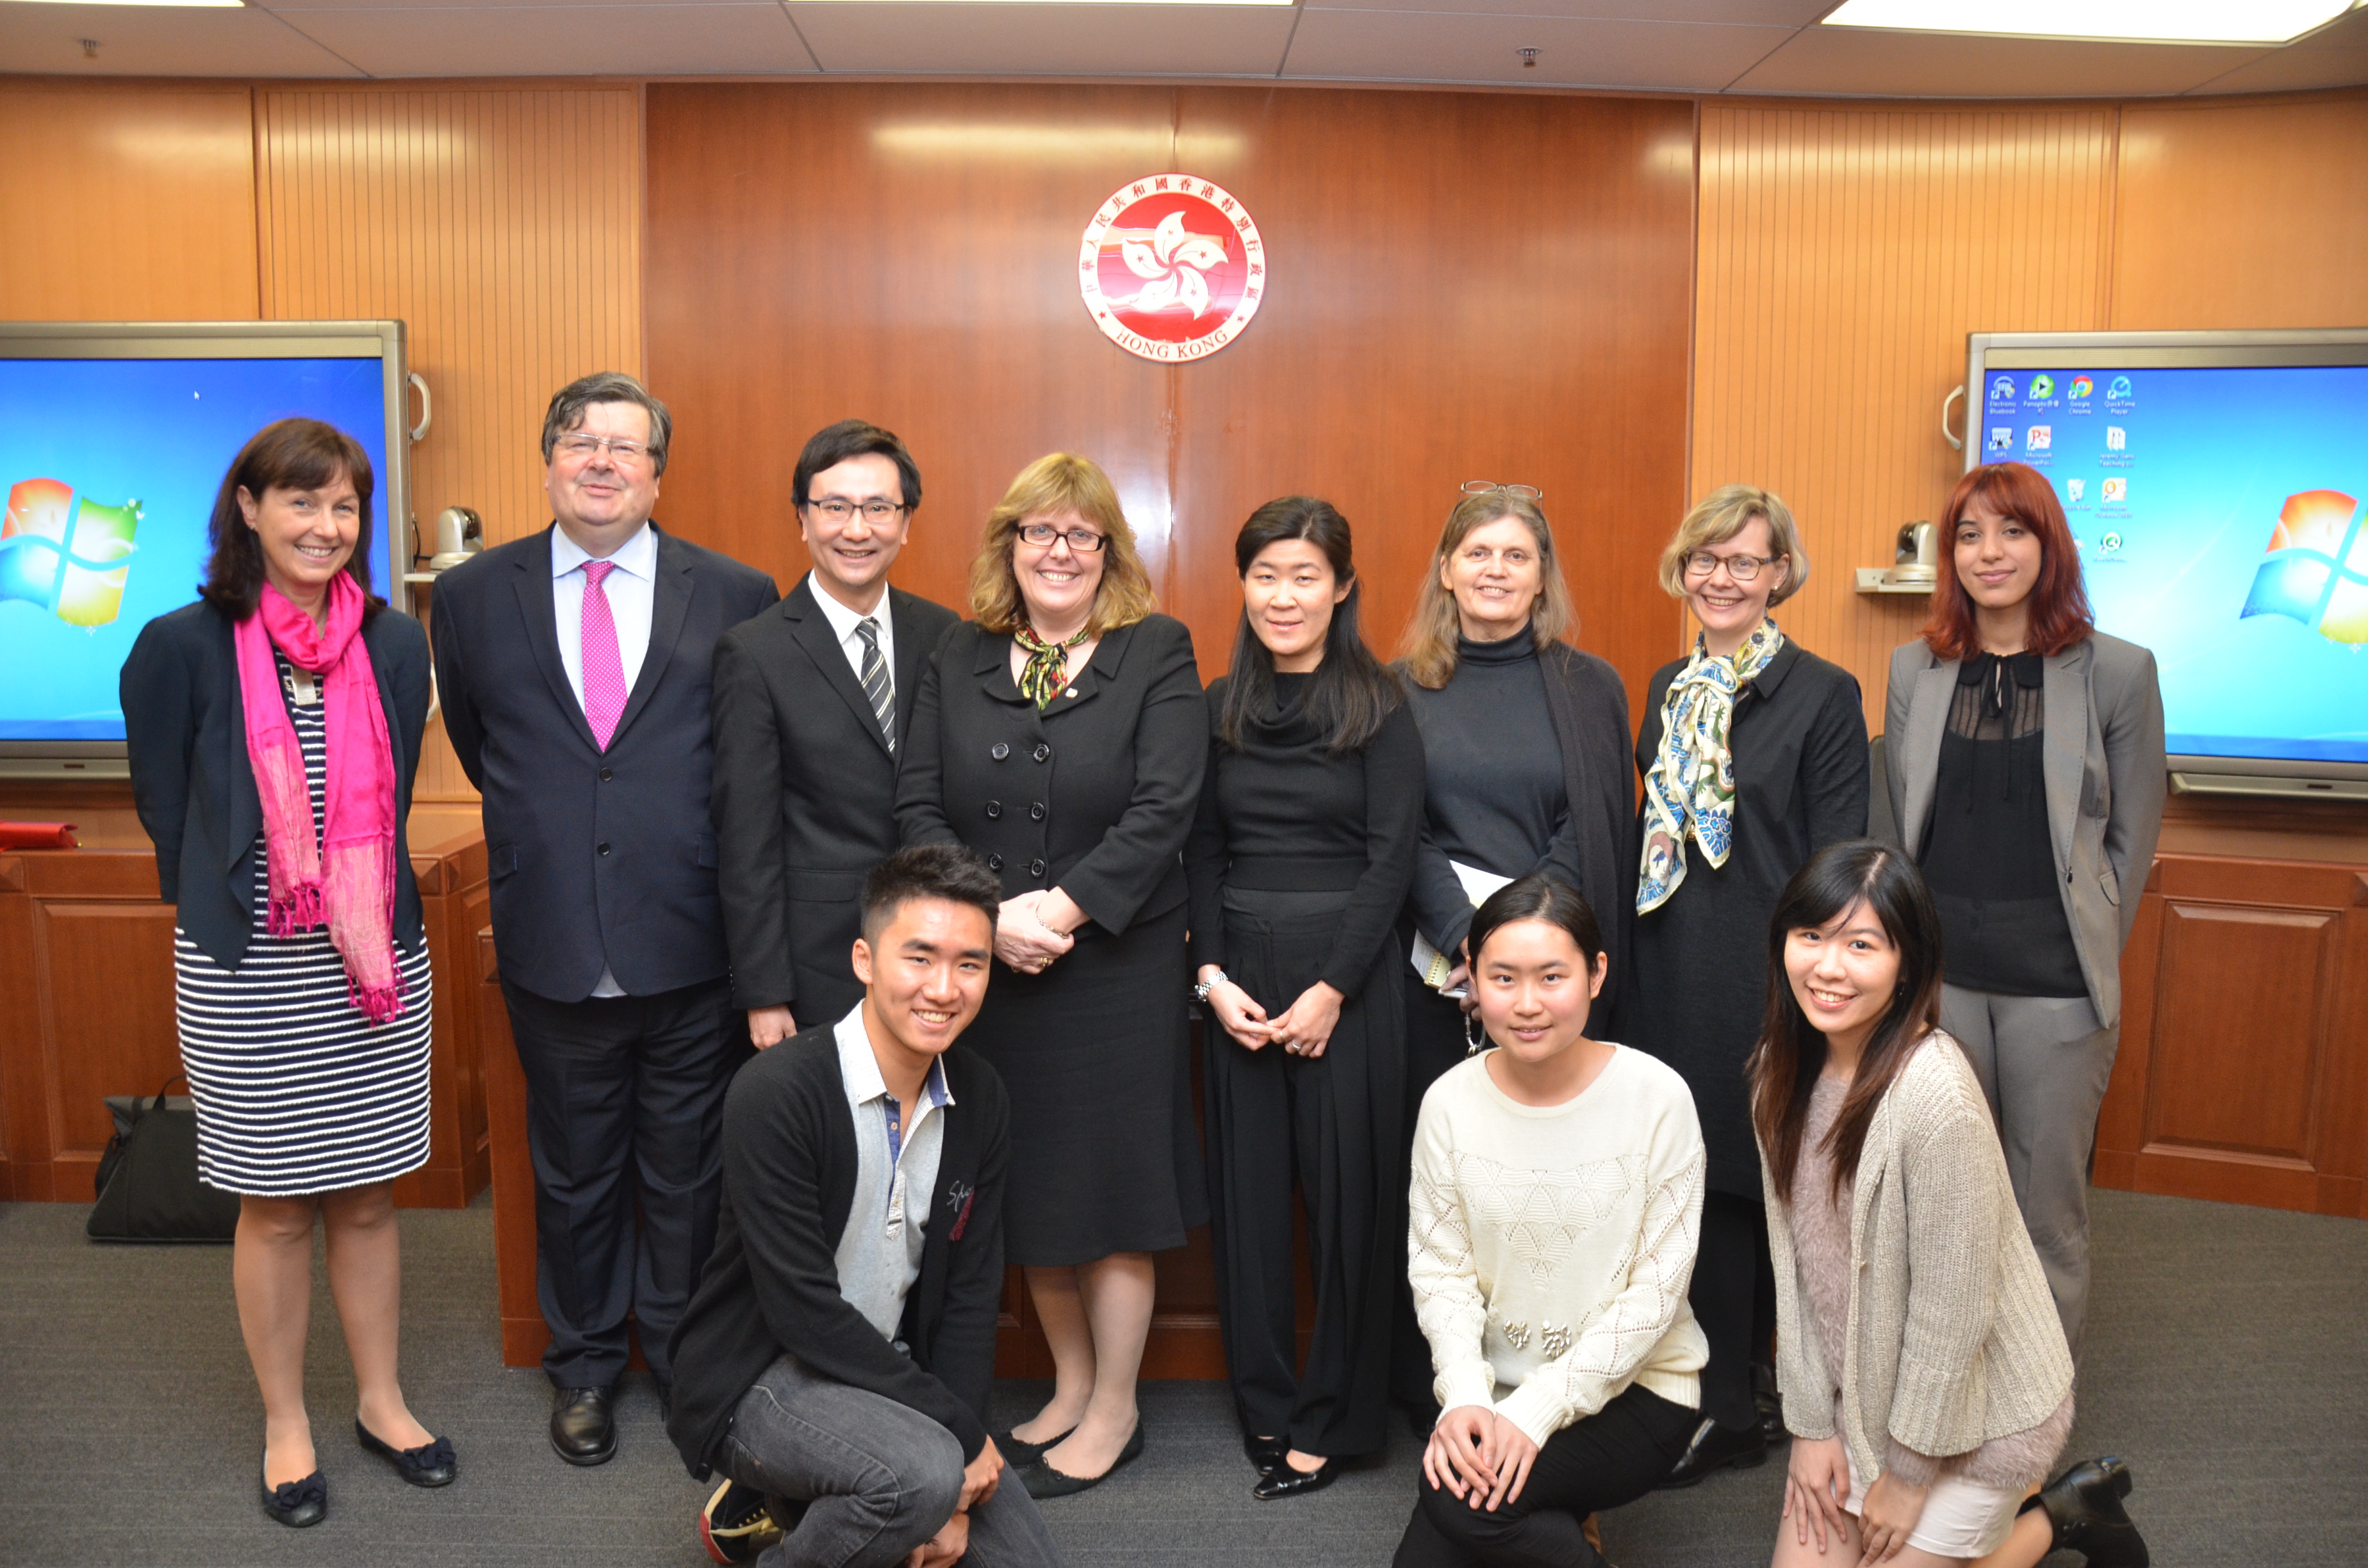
x=1844, y=254
x=128, y=203
x=504, y=226
x=2243, y=215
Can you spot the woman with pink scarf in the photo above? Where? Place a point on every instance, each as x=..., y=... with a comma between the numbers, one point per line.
x=274, y=729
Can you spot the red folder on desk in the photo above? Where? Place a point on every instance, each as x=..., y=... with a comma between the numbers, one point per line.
x=37, y=836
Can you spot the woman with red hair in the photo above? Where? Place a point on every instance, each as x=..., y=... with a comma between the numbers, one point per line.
x=2025, y=756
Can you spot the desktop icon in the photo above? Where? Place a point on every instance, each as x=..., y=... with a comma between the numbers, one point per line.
x=2114, y=491
x=2043, y=386
x=2116, y=439
x=2082, y=386
x=2317, y=569
x=2118, y=391
x=65, y=553
x=2001, y=439
x=2003, y=388
x=2074, y=489
x=2040, y=438
x=2110, y=544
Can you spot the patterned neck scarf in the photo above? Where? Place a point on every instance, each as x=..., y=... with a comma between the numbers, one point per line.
x=1690, y=787
x=1048, y=663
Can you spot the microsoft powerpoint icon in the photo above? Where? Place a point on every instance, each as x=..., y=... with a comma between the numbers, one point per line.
x=1171, y=267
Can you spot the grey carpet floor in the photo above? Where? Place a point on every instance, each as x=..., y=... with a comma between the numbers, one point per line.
x=2228, y=1360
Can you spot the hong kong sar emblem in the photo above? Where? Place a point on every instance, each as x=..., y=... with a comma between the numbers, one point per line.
x=1172, y=267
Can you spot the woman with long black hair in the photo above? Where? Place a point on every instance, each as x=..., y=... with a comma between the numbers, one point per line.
x=1310, y=814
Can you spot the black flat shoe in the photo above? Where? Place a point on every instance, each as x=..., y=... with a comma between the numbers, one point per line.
x=584, y=1424
x=1266, y=1454
x=1716, y=1448
x=1287, y=1480
x=1042, y=1481
x=2083, y=1505
x=297, y=1504
x=1017, y=1450
x=430, y=1464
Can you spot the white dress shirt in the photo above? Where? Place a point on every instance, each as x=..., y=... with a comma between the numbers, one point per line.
x=896, y=1156
x=631, y=591
x=843, y=622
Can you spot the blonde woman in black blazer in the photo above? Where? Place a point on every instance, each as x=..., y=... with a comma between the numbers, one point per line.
x=2025, y=756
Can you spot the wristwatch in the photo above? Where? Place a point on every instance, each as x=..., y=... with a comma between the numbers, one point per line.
x=1201, y=991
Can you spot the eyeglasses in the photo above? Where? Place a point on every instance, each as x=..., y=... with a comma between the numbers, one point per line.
x=581, y=447
x=838, y=509
x=1490, y=488
x=1085, y=541
x=1742, y=568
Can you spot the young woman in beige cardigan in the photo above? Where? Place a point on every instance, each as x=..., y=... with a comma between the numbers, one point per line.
x=1925, y=1375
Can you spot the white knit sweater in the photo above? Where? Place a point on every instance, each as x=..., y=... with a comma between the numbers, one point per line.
x=1550, y=1246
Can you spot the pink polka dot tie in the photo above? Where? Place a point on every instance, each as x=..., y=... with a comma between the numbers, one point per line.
x=604, y=671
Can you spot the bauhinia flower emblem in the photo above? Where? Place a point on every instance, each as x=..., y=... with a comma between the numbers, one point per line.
x=1174, y=267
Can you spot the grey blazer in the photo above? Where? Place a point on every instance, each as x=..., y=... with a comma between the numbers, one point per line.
x=2105, y=775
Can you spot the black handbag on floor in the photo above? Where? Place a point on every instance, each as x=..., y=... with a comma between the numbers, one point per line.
x=148, y=1186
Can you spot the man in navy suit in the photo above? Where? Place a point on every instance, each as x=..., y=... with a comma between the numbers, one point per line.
x=573, y=668
x=812, y=703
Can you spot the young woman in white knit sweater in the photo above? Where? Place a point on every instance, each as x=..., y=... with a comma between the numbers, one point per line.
x=1556, y=1203
x=1924, y=1370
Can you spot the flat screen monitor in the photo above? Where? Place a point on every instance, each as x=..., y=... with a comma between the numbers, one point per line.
x=114, y=438
x=2216, y=484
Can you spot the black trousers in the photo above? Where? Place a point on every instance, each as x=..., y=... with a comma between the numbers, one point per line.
x=1435, y=1040
x=1332, y=1122
x=1734, y=1298
x=1615, y=1456
x=624, y=1110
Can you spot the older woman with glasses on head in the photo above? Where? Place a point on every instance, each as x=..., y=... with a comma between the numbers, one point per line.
x=1061, y=733
x=1753, y=756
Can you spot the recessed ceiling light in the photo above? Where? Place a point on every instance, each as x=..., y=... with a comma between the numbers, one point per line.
x=2141, y=22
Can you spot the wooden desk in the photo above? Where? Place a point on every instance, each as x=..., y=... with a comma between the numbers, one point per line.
x=87, y=992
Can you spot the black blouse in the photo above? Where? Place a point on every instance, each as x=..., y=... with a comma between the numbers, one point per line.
x=1987, y=852
x=1285, y=813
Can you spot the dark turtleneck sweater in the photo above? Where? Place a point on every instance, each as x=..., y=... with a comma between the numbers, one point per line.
x=1495, y=795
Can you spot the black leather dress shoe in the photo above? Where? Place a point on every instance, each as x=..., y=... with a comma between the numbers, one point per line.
x=298, y=1503
x=1266, y=1454
x=2085, y=1506
x=1017, y=1450
x=1716, y=1448
x=1287, y=1480
x=430, y=1464
x=584, y=1424
x=1042, y=1481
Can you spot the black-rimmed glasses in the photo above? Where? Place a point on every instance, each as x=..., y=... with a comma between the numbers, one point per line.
x=1085, y=541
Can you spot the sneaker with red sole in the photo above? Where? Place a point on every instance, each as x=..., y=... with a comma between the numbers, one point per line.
x=735, y=1524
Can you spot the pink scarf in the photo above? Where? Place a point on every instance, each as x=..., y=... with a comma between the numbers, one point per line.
x=354, y=894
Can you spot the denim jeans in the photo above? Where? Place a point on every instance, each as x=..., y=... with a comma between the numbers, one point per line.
x=859, y=1479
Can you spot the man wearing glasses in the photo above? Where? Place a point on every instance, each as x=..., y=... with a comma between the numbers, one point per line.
x=812, y=704
x=574, y=667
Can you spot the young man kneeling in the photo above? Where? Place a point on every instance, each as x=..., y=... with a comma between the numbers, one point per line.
x=834, y=1364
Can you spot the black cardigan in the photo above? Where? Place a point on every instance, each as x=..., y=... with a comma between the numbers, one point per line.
x=771, y=1286
x=193, y=783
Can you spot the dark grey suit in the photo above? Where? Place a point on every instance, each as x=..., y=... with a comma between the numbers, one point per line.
x=805, y=795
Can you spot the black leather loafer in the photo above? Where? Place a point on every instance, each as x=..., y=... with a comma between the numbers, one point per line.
x=1287, y=1480
x=1017, y=1450
x=2083, y=1505
x=297, y=1504
x=584, y=1424
x=1266, y=1454
x=1716, y=1448
x=1042, y=1481
x=430, y=1464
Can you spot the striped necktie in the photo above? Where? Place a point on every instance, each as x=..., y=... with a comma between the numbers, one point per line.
x=876, y=684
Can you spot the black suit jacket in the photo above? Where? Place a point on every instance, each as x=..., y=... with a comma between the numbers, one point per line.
x=805, y=795
x=193, y=782
x=1095, y=795
x=771, y=1286
x=595, y=857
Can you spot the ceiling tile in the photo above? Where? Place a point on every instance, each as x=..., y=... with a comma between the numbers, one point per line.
x=155, y=41
x=1430, y=46
x=638, y=39
x=1048, y=41
x=2334, y=56
x=1759, y=12
x=1868, y=62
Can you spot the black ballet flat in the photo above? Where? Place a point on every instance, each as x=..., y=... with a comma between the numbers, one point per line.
x=297, y=1504
x=1042, y=1481
x=1716, y=1448
x=1017, y=1450
x=430, y=1464
x=2084, y=1506
x=1266, y=1454
x=1287, y=1480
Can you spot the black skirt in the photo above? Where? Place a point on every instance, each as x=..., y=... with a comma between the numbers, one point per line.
x=1095, y=1054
